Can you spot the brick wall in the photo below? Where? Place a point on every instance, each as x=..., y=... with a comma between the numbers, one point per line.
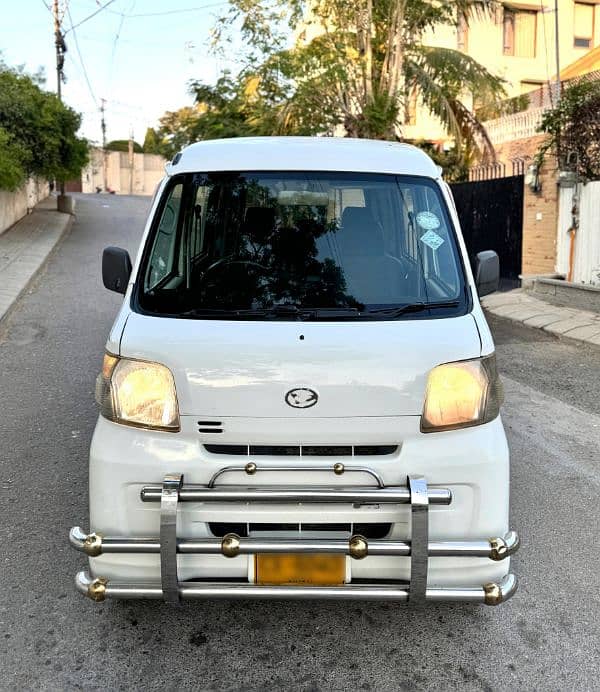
x=540, y=210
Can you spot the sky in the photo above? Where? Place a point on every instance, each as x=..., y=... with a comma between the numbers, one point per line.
x=139, y=64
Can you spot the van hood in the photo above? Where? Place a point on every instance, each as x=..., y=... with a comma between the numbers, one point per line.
x=249, y=369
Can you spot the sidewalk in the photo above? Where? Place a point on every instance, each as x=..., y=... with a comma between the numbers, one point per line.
x=25, y=247
x=521, y=306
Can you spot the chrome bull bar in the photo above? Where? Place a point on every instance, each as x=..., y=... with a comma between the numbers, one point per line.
x=419, y=548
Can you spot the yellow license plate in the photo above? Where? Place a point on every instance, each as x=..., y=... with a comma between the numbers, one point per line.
x=300, y=568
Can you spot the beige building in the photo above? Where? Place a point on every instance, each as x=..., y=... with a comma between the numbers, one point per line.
x=136, y=176
x=517, y=43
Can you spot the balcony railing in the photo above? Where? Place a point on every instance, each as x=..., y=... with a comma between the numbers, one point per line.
x=515, y=126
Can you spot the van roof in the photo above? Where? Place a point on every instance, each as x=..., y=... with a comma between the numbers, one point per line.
x=303, y=154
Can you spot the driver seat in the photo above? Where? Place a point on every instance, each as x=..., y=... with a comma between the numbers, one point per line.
x=372, y=276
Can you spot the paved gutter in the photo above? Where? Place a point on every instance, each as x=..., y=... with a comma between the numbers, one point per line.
x=25, y=248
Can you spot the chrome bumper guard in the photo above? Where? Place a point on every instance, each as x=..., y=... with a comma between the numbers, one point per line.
x=419, y=548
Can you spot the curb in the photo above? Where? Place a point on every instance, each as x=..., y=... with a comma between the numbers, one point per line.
x=561, y=322
x=7, y=311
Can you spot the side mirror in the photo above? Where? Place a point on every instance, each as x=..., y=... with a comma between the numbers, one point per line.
x=487, y=272
x=116, y=269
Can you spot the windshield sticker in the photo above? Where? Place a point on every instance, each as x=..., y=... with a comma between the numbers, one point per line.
x=432, y=239
x=428, y=220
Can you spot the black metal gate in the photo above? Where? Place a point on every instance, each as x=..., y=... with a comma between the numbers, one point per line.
x=491, y=218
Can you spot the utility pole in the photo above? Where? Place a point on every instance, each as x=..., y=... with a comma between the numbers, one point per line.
x=130, y=150
x=104, y=159
x=61, y=49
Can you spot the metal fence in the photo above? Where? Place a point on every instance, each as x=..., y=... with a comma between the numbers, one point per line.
x=491, y=218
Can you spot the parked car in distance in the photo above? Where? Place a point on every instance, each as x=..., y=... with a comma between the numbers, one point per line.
x=299, y=396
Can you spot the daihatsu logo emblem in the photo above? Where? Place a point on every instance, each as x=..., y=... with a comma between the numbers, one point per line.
x=301, y=398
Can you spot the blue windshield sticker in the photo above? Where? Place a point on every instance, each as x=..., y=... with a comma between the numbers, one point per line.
x=432, y=239
x=428, y=220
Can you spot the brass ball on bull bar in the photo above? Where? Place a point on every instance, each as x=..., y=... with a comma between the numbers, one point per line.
x=492, y=594
x=92, y=545
x=358, y=547
x=498, y=549
x=338, y=469
x=97, y=589
x=230, y=545
x=250, y=468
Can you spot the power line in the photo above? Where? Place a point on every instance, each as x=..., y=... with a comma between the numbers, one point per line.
x=114, y=46
x=546, y=52
x=85, y=74
x=187, y=9
x=110, y=2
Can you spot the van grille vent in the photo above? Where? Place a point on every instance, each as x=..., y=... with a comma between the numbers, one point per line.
x=302, y=451
x=372, y=531
x=209, y=426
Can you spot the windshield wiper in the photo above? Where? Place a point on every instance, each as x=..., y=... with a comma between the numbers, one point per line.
x=275, y=311
x=412, y=307
x=304, y=313
x=329, y=313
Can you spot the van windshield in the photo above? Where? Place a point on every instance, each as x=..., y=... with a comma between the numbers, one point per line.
x=285, y=244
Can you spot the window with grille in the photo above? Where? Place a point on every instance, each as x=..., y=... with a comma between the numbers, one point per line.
x=519, y=34
x=584, y=25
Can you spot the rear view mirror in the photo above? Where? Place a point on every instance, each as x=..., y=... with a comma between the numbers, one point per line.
x=487, y=272
x=116, y=269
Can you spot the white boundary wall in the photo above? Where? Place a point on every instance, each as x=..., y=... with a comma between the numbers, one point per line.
x=141, y=179
x=15, y=205
x=587, y=240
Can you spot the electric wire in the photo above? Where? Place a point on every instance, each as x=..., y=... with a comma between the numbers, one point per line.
x=546, y=53
x=85, y=74
x=110, y=2
x=181, y=11
x=114, y=46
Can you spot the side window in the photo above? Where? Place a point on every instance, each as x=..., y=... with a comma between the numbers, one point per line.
x=163, y=260
x=435, y=243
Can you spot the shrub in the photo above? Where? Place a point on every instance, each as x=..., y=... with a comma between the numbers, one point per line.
x=39, y=133
x=574, y=129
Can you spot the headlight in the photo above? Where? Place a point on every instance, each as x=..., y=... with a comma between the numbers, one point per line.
x=136, y=392
x=462, y=394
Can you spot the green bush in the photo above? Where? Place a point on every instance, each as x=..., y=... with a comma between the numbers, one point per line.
x=12, y=171
x=39, y=133
x=123, y=145
x=573, y=127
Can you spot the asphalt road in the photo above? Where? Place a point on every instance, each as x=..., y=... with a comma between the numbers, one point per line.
x=546, y=638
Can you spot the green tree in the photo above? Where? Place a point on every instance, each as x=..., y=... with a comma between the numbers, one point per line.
x=12, y=157
x=455, y=162
x=153, y=143
x=176, y=130
x=361, y=65
x=123, y=145
x=573, y=129
x=38, y=132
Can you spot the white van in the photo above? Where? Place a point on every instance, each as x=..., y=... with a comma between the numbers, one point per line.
x=299, y=396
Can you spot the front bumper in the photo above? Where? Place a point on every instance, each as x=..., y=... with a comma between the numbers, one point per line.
x=168, y=545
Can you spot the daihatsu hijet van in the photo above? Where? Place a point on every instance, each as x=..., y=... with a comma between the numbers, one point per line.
x=299, y=396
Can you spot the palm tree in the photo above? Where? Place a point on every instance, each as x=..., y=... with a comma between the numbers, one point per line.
x=362, y=61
